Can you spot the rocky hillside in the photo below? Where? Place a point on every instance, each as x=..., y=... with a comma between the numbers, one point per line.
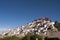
x=40, y=26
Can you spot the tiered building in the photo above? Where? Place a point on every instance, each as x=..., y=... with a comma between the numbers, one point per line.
x=39, y=26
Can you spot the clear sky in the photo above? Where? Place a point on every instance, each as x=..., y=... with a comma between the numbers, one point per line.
x=14, y=13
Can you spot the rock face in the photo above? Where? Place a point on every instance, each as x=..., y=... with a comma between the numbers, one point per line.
x=39, y=26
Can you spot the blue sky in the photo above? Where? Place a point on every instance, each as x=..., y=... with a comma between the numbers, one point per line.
x=14, y=13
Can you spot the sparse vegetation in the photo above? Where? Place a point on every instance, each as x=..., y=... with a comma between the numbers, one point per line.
x=27, y=37
x=32, y=37
x=11, y=38
x=46, y=38
x=49, y=28
x=57, y=25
